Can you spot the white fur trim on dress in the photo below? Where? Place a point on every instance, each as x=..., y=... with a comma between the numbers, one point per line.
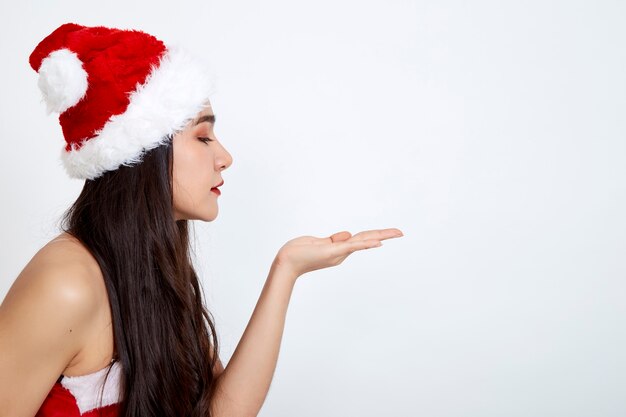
x=172, y=95
x=62, y=80
x=86, y=388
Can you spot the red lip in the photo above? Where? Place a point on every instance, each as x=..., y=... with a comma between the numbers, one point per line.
x=217, y=190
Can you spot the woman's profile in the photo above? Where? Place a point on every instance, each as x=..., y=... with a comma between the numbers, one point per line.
x=108, y=318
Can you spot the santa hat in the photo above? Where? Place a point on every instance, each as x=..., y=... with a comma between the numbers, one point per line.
x=119, y=93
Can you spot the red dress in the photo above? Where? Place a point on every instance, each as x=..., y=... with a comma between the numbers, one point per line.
x=79, y=396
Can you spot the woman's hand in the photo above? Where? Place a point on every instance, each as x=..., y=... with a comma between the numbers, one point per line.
x=308, y=253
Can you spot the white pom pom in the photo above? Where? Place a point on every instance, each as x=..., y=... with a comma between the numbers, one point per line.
x=62, y=80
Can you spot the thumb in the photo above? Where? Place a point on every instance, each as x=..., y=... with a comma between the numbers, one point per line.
x=340, y=236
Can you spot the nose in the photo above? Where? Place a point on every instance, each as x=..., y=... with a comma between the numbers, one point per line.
x=224, y=159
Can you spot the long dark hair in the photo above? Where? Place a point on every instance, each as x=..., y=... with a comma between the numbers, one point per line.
x=160, y=324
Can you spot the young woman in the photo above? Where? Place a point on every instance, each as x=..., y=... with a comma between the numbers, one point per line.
x=108, y=317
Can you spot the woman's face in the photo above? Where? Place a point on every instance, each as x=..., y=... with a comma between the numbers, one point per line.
x=197, y=167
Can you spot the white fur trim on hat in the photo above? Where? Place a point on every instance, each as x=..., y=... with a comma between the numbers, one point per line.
x=62, y=80
x=172, y=95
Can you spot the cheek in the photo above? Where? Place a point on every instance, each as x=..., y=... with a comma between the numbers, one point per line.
x=191, y=175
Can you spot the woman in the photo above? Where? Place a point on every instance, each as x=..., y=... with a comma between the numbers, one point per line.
x=108, y=317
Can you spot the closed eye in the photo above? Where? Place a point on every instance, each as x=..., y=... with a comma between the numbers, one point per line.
x=205, y=140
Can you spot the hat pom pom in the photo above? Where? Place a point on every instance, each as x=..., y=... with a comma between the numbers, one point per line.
x=62, y=80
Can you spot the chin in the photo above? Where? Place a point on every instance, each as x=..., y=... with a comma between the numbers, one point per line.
x=207, y=217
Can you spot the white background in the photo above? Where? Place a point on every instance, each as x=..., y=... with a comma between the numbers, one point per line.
x=491, y=133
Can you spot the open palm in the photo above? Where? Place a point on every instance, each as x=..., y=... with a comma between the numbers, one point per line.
x=308, y=253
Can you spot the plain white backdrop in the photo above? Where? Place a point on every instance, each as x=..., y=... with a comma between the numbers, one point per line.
x=493, y=134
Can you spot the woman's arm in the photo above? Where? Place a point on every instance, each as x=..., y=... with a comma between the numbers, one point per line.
x=243, y=385
x=45, y=318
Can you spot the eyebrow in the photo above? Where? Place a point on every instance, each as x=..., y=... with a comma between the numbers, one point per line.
x=209, y=118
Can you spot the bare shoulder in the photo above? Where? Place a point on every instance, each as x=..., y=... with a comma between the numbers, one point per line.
x=45, y=319
x=63, y=267
x=65, y=249
x=63, y=263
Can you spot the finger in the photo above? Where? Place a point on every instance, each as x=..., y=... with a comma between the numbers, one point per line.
x=349, y=246
x=378, y=234
x=340, y=236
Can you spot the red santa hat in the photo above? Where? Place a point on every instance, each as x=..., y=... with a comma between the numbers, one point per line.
x=118, y=93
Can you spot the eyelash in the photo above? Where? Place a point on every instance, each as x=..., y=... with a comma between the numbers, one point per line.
x=205, y=140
